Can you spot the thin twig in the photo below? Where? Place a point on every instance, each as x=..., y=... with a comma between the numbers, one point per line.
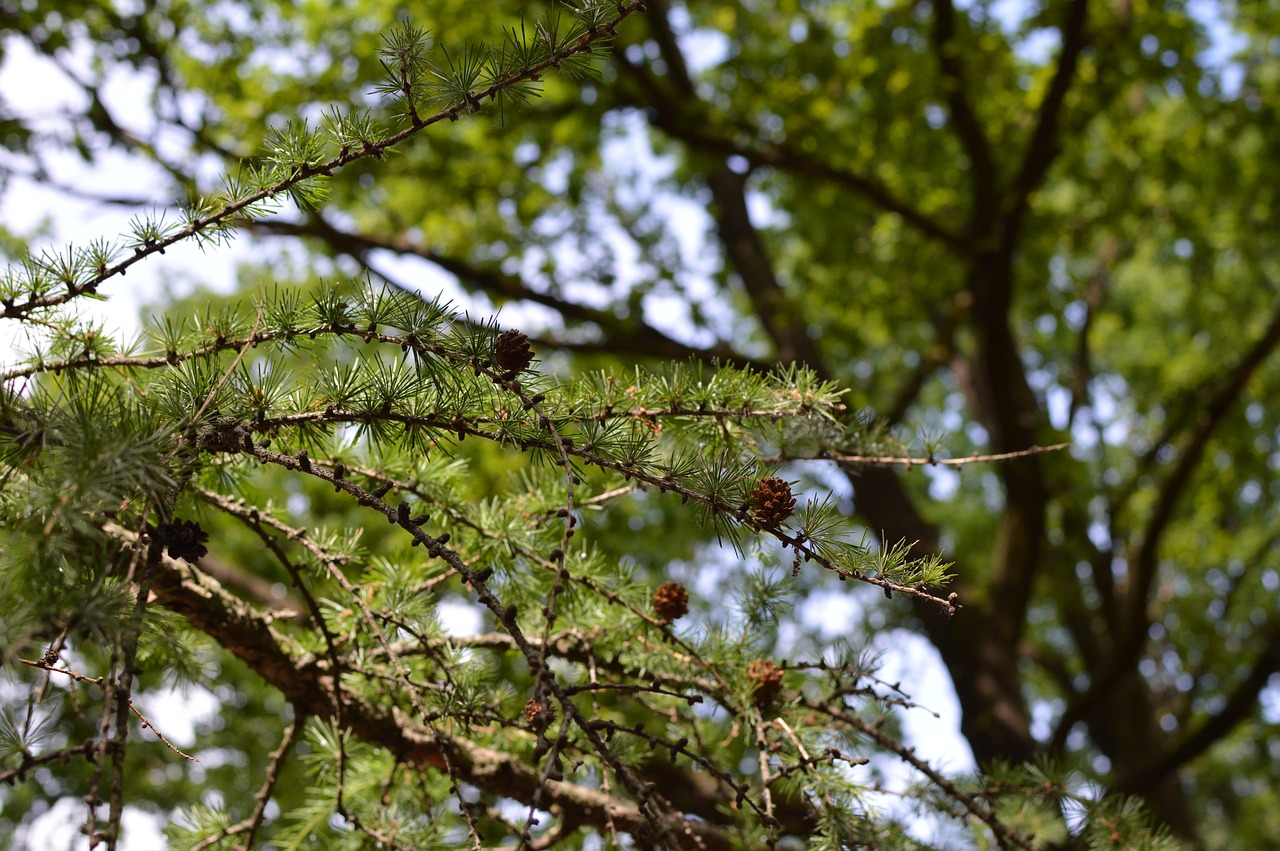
x=930, y=460
x=147, y=725
x=971, y=803
x=263, y=796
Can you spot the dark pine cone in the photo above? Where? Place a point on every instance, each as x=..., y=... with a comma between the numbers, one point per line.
x=671, y=601
x=768, y=679
x=183, y=538
x=771, y=500
x=511, y=352
x=538, y=714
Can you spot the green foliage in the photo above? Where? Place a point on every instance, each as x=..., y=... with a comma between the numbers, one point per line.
x=426, y=607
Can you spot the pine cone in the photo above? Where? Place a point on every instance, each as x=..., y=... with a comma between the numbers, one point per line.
x=671, y=601
x=768, y=679
x=538, y=714
x=183, y=539
x=771, y=500
x=511, y=351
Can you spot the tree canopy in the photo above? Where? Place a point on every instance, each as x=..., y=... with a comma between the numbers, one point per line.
x=458, y=580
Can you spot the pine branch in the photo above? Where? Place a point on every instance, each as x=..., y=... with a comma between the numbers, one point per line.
x=971, y=804
x=151, y=236
x=250, y=637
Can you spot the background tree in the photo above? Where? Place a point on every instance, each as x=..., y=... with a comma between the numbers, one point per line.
x=1015, y=227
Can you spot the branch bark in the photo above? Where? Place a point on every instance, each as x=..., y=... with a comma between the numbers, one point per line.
x=1045, y=143
x=1146, y=561
x=1241, y=703
x=973, y=138
x=305, y=681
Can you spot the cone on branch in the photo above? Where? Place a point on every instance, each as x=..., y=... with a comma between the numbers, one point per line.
x=767, y=677
x=771, y=501
x=183, y=539
x=539, y=714
x=511, y=352
x=671, y=601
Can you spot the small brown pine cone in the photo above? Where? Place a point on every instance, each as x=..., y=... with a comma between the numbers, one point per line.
x=511, y=351
x=671, y=601
x=768, y=679
x=771, y=500
x=538, y=714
